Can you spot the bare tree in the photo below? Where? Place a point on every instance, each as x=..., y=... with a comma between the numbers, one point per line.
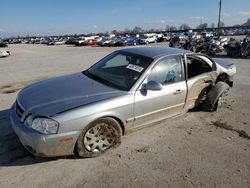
x=222, y=24
x=127, y=30
x=137, y=30
x=202, y=26
x=212, y=25
x=184, y=27
x=247, y=23
x=167, y=28
x=172, y=28
x=106, y=33
x=114, y=31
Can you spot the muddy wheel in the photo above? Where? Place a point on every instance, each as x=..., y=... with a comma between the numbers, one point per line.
x=98, y=137
x=215, y=96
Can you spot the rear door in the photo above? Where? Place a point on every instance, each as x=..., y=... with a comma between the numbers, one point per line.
x=151, y=106
x=201, y=74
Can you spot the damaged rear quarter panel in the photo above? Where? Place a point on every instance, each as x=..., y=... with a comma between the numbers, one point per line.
x=196, y=86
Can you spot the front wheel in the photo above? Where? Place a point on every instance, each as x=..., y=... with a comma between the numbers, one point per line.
x=98, y=137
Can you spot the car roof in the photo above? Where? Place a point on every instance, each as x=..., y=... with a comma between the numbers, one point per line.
x=155, y=52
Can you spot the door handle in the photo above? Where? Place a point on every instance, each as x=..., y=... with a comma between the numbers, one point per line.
x=178, y=91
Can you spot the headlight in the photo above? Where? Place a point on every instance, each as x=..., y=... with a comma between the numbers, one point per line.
x=43, y=125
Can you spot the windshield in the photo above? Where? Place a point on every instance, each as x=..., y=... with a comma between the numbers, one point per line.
x=119, y=70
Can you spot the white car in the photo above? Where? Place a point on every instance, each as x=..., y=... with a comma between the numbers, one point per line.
x=59, y=42
x=148, y=39
x=4, y=53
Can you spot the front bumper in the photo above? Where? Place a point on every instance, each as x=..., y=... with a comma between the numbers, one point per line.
x=44, y=145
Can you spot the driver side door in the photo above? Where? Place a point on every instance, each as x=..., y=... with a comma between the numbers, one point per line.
x=151, y=106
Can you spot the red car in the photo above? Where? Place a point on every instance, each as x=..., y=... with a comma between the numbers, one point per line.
x=90, y=42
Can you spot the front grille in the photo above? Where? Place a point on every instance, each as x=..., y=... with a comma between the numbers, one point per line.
x=19, y=111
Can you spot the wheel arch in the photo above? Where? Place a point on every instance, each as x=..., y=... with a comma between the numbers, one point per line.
x=118, y=120
x=213, y=95
x=224, y=77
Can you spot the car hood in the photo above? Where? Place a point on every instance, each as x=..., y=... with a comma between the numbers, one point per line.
x=56, y=95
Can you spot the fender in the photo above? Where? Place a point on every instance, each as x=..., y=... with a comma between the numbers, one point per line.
x=211, y=102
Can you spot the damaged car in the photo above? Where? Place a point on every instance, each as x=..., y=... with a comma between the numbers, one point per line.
x=86, y=113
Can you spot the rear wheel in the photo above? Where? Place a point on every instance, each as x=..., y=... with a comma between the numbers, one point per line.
x=216, y=96
x=98, y=137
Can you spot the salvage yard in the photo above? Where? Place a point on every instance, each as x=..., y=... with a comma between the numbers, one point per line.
x=198, y=149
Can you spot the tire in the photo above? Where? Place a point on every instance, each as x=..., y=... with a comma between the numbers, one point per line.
x=98, y=137
x=215, y=96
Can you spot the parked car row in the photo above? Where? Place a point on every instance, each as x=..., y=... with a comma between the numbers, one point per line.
x=238, y=49
x=130, y=41
x=212, y=46
x=89, y=42
x=118, y=41
x=122, y=39
x=111, y=40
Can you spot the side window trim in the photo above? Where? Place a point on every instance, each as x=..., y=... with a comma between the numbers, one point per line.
x=192, y=56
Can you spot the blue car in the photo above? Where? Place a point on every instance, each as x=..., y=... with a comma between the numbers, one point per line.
x=132, y=41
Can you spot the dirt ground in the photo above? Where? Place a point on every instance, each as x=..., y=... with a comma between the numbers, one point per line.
x=198, y=149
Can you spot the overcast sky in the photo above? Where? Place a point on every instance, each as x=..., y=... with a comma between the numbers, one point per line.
x=49, y=17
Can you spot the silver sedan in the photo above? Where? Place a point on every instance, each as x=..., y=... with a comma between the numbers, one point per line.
x=86, y=113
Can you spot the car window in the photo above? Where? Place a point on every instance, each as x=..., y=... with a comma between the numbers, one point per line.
x=197, y=66
x=209, y=61
x=168, y=70
x=117, y=61
x=119, y=70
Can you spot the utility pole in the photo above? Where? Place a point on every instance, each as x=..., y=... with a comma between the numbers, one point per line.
x=219, y=18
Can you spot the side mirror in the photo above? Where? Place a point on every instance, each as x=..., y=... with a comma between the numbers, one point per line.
x=153, y=85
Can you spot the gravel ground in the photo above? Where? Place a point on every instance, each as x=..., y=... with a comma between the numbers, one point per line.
x=198, y=149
